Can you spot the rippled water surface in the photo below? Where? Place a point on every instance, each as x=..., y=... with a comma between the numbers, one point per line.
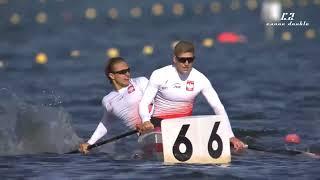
x=269, y=89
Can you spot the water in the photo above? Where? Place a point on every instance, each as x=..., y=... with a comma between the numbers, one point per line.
x=269, y=89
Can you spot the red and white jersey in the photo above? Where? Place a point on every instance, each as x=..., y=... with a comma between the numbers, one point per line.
x=174, y=94
x=124, y=104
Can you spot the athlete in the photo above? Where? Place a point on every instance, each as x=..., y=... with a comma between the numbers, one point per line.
x=122, y=102
x=174, y=88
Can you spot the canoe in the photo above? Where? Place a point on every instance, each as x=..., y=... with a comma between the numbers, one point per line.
x=151, y=145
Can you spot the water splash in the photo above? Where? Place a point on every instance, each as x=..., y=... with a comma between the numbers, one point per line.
x=31, y=129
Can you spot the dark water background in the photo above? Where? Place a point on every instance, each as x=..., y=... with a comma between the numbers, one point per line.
x=269, y=89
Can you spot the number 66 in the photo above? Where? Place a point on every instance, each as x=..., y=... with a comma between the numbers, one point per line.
x=182, y=139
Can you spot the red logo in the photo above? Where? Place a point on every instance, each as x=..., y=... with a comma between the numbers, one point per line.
x=190, y=85
x=130, y=89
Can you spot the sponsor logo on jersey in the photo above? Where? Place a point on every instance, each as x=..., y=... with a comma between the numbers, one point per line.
x=190, y=85
x=176, y=85
x=163, y=87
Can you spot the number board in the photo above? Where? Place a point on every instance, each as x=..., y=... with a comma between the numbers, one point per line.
x=196, y=139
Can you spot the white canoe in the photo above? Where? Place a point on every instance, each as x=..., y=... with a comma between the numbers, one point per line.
x=151, y=145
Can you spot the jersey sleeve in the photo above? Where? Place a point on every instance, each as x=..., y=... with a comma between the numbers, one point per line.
x=101, y=129
x=148, y=96
x=212, y=97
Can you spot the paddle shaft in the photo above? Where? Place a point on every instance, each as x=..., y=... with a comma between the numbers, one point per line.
x=107, y=141
x=288, y=152
x=112, y=139
x=284, y=151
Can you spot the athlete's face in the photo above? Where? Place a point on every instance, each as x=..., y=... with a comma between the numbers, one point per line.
x=184, y=62
x=120, y=75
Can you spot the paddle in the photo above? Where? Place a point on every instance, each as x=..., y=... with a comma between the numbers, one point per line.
x=107, y=141
x=284, y=151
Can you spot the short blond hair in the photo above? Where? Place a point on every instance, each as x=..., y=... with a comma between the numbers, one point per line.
x=183, y=47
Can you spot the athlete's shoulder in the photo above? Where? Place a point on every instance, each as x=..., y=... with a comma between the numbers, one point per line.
x=200, y=77
x=198, y=74
x=108, y=98
x=161, y=73
x=139, y=80
x=165, y=69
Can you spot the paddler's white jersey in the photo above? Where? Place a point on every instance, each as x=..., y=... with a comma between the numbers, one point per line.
x=123, y=104
x=174, y=94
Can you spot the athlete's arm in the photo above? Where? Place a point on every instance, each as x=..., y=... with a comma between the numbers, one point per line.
x=148, y=97
x=100, y=131
x=212, y=97
x=146, y=100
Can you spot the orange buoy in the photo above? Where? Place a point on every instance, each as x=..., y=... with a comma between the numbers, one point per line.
x=231, y=37
x=292, y=138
